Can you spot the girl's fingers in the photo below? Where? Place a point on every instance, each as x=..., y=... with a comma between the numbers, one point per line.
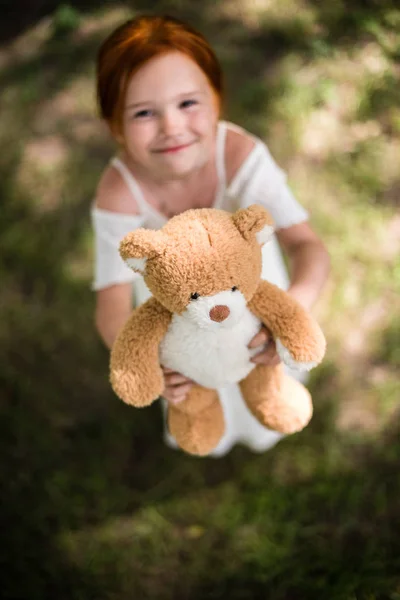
x=267, y=362
x=176, y=379
x=177, y=386
x=177, y=400
x=173, y=377
x=260, y=339
x=177, y=393
x=267, y=357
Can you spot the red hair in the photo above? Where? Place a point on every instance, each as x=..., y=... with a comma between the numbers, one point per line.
x=137, y=41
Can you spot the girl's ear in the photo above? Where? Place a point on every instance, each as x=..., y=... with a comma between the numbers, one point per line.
x=254, y=221
x=140, y=245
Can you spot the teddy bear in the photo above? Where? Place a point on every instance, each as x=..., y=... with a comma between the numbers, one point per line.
x=203, y=269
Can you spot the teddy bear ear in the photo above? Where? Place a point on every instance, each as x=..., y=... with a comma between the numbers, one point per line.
x=140, y=245
x=254, y=221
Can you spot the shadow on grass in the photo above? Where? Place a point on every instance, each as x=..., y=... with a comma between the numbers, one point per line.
x=75, y=457
x=336, y=534
x=24, y=14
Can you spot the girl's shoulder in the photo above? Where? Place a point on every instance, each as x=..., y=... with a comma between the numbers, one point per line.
x=113, y=194
x=239, y=144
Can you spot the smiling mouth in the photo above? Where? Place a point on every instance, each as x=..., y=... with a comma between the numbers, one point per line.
x=173, y=149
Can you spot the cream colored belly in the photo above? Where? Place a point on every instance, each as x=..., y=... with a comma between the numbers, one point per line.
x=211, y=357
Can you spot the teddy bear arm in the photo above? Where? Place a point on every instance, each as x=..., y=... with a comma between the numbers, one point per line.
x=299, y=340
x=135, y=372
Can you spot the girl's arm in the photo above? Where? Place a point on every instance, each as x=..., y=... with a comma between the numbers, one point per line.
x=113, y=308
x=309, y=269
x=309, y=262
x=113, y=303
x=308, y=258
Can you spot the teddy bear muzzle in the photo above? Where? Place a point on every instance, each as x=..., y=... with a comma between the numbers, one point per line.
x=219, y=313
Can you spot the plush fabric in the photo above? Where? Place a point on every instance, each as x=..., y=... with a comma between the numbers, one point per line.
x=203, y=269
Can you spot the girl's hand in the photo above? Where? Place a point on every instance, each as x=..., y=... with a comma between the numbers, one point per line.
x=267, y=355
x=177, y=386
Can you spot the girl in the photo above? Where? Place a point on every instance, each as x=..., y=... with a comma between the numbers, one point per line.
x=159, y=88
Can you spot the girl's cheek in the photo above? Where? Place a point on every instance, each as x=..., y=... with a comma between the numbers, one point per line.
x=203, y=120
x=140, y=134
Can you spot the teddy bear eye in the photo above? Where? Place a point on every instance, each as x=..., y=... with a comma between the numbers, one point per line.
x=234, y=288
x=194, y=296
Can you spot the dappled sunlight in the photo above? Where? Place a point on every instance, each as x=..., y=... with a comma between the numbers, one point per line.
x=365, y=405
x=390, y=163
x=372, y=316
x=41, y=170
x=330, y=91
x=104, y=19
x=256, y=13
x=26, y=46
x=115, y=509
x=390, y=247
x=75, y=102
x=359, y=413
x=73, y=113
x=241, y=535
x=250, y=13
x=325, y=134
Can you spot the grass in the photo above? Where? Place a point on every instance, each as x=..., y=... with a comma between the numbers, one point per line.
x=94, y=505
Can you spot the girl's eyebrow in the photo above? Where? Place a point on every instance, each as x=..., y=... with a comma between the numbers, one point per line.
x=146, y=103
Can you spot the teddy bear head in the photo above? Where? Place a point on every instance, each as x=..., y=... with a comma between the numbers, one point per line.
x=204, y=263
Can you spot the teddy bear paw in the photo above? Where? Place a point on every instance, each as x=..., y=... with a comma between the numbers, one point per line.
x=294, y=410
x=289, y=359
x=131, y=390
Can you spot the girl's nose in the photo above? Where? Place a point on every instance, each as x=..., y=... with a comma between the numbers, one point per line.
x=171, y=122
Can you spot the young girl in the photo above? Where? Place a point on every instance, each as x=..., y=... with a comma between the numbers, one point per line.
x=159, y=89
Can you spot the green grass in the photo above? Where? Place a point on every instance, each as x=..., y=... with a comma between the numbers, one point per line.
x=94, y=505
x=387, y=344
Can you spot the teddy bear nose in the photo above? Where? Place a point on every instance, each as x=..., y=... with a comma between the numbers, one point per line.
x=219, y=313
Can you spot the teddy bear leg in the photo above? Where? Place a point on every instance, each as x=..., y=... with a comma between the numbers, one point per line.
x=277, y=400
x=197, y=423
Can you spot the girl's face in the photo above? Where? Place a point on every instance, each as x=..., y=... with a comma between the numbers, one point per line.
x=170, y=117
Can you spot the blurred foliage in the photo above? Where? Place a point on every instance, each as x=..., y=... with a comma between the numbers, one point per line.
x=65, y=20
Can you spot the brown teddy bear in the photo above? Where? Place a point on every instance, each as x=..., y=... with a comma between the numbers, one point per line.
x=203, y=269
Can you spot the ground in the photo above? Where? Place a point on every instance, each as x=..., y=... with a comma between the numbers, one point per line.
x=95, y=505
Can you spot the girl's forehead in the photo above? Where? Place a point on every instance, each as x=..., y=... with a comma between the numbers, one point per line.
x=165, y=76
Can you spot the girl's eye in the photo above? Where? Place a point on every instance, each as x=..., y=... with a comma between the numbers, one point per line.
x=194, y=296
x=143, y=114
x=188, y=103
